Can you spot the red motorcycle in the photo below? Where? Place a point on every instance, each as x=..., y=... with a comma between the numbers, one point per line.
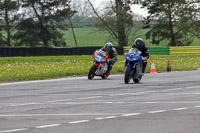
x=100, y=65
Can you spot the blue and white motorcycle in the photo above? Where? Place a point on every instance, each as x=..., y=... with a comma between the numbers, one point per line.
x=133, y=66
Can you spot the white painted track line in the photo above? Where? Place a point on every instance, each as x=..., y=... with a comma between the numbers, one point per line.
x=111, y=117
x=158, y=111
x=14, y=130
x=75, y=122
x=103, y=118
x=178, y=109
x=82, y=121
x=51, y=80
x=47, y=126
x=193, y=87
x=132, y=114
x=75, y=114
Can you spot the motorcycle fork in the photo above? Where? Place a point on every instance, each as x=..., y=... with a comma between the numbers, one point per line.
x=97, y=64
x=132, y=66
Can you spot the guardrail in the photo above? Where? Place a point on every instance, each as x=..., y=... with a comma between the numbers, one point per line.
x=184, y=50
x=154, y=50
x=47, y=51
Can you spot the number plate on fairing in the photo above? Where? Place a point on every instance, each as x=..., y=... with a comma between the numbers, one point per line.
x=99, y=58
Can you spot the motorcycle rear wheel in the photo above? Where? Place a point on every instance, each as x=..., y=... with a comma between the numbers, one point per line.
x=105, y=76
x=92, y=71
x=127, y=77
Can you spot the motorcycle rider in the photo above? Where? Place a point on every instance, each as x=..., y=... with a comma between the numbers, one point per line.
x=112, y=52
x=140, y=44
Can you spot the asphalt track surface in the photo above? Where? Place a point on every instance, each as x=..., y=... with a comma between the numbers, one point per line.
x=161, y=103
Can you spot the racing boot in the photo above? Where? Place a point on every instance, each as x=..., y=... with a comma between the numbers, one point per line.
x=143, y=71
x=109, y=69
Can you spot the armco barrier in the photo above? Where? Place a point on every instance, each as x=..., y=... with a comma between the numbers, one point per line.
x=155, y=50
x=184, y=50
x=159, y=50
x=47, y=51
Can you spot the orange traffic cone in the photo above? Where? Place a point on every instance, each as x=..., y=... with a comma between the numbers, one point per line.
x=153, y=68
x=168, y=67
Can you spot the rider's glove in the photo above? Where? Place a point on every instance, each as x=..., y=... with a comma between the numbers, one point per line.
x=144, y=59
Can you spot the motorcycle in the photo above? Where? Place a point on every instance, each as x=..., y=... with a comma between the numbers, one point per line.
x=100, y=65
x=133, y=66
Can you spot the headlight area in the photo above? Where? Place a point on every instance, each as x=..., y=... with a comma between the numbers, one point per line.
x=128, y=58
x=131, y=59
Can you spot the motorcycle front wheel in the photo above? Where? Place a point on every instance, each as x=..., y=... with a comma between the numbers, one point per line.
x=137, y=80
x=127, y=77
x=92, y=71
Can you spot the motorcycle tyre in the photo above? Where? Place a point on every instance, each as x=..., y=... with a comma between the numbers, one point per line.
x=137, y=80
x=92, y=71
x=127, y=76
x=105, y=76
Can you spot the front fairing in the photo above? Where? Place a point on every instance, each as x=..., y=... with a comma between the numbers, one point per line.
x=132, y=58
x=103, y=67
x=100, y=56
x=133, y=55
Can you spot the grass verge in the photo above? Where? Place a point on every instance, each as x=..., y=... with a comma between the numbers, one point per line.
x=34, y=68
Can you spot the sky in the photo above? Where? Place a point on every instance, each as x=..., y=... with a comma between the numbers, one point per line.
x=136, y=8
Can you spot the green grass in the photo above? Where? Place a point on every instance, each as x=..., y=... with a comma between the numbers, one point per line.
x=32, y=68
x=93, y=37
x=86, y=37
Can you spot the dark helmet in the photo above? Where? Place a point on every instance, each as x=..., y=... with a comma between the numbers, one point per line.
x=139, y=43
x=108, y=46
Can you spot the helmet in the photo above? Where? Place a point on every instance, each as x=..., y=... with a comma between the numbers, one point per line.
x=108, y=46
x=139, y=43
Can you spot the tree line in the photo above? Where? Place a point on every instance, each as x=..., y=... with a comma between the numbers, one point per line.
x=39, y=22
x=33, y=22
x=175, y=20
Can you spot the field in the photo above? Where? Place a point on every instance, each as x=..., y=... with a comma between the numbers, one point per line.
x=92, y=37
x=32, y=68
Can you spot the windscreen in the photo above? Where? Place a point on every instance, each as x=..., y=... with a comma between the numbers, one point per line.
x=133, y=51
x=102, y=53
